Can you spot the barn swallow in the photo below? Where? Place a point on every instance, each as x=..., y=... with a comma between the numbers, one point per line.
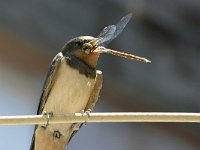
x=73, y=84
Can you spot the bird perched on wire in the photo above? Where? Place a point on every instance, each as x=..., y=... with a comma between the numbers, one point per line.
x=73, y=84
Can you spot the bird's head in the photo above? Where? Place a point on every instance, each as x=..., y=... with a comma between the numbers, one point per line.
x=82, y=47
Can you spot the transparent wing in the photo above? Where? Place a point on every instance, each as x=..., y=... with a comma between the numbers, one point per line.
x=107, y=36
x=121, y=25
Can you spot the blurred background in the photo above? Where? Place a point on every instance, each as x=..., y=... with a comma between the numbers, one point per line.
x=166, y=32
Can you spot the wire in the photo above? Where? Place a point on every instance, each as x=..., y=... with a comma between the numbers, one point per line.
x=101, y=117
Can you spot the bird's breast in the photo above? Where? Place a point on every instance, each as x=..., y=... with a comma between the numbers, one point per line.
x=69, y=94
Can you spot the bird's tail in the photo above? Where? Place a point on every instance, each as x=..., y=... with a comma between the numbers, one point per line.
x=32, y=146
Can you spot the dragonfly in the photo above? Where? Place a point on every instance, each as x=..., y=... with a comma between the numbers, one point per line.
x=108, y=34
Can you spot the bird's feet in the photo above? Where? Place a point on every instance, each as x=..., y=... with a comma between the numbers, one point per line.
x=86, y=113
x=48, y=115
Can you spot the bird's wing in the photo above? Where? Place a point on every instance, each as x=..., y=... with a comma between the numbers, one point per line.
x=90, y=105
x=95, y=92
x=49, y=82
x=47, y=88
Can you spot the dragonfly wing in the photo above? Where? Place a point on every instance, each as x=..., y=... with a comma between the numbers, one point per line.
x=106, y=34
x=119, y=27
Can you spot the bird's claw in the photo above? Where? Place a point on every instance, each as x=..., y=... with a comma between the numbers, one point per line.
x=48, y=115
x=86, y=113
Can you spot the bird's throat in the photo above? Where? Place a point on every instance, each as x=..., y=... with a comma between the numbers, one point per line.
x=90, y=59
x=86, y=65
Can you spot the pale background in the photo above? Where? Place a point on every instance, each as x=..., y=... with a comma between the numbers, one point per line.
x=167, y=32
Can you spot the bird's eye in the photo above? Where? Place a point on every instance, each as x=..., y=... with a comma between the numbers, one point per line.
x=87, y=48
x=85, y=41
x=78, y=44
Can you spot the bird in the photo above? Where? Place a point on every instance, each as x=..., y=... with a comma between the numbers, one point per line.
x=73, y=84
